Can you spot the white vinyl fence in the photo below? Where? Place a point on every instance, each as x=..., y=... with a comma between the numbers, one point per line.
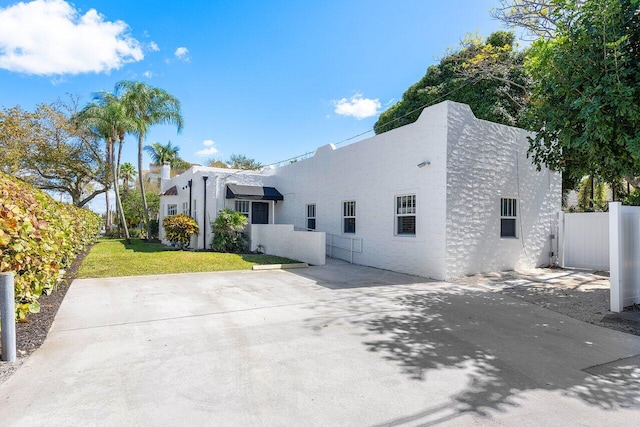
x=583, y=240
x=624, y=226
x=605, y=241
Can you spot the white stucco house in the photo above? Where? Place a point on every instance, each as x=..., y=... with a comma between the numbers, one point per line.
x=445, y=196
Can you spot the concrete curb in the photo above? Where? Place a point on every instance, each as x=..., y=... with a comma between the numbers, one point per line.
x=280, y=266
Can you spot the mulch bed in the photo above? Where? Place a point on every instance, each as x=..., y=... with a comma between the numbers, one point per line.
x=31, y=334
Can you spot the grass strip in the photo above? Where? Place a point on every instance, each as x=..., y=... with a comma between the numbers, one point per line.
x=114, y=258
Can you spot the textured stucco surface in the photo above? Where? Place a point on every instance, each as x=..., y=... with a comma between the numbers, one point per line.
x=487, y=162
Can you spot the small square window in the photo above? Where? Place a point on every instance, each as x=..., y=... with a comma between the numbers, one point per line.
x=172, y=209
x=508, y=217
x=242, y=206
x=349, y=217
x=311, y=217
x=406, y=215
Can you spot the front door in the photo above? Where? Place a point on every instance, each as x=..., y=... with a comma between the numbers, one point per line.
x=259, y=213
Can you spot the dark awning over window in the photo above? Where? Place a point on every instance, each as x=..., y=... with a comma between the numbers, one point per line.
x=252, y=192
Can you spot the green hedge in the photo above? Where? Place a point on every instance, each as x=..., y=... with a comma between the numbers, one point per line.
x=38, y=237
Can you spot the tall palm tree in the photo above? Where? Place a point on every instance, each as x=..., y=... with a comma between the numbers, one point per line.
x=163, y=153
x=107, y=117
x=148, y=106
x=127, y=173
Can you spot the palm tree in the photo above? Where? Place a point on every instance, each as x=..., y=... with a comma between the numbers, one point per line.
x=107, y=118
x=148, y=106
x=127, y=173
x=163, y=153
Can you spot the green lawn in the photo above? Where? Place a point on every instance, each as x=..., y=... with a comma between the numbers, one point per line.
x=113, y=258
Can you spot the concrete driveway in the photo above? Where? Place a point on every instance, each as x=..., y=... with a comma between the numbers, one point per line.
x=332, y=345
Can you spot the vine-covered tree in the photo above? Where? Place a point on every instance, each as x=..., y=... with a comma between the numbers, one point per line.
x=585, y=106
x=488, y=75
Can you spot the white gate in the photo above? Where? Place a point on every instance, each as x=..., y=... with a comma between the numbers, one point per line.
x=583, y=240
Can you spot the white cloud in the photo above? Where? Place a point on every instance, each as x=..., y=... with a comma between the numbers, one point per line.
x=50, y=37
x=209, y=151
x=153, y=46
x=357, y=107
x=182, y=53
x=147, y=74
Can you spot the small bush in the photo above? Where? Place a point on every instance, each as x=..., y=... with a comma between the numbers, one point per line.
x=154, y=224
x=228, y=232
x=179, y=228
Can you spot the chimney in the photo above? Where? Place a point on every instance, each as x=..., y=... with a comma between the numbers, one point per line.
x=165, y=175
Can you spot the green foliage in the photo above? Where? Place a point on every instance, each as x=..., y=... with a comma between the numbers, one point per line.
x=240, y=161
x=38, y=236
x=632, y=199
x=179, y=229
x=228, y=232
x=585, y=105
x=486, y=75
x=134, y=209
x=599, y=201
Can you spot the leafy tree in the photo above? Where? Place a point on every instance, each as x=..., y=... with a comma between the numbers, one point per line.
x=539, y=18
x=585, y=106
x=148, y=106
x=48, y=150
x=179, y=229
x=216, y=163
x=228, y=232
x=134, y=208
x=487, y=75
x=240, y=161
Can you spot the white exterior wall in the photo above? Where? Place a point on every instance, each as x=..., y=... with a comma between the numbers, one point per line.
x=487, y=162
x=282, y=240
x=217, y=179
x=373, y=172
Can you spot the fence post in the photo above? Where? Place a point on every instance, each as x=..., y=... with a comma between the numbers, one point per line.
x=615, y=262
x=560, y=239
x=7, y=312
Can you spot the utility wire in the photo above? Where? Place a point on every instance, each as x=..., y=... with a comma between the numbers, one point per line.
x=302, y=156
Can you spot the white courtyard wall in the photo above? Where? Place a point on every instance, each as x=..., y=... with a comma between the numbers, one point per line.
x=373, y=172
x=487, y=162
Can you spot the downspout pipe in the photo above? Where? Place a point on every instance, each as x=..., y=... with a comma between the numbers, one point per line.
x=190, y=184
x=204, y=217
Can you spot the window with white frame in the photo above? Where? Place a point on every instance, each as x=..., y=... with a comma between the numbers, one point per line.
x=349, y=217
x=242, y=206
x=406, y=215
x=311, y=216
x=194, y=209
x=172, y=209
x=185, y=208
x=508, y=217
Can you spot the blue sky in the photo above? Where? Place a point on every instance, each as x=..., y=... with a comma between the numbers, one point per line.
x=268, y=79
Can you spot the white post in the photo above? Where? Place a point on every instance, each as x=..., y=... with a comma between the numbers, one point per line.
x=615, y=254
x=560, y=240
x=7, y=312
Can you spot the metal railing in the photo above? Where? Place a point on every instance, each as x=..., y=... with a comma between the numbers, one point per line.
x=345, y=243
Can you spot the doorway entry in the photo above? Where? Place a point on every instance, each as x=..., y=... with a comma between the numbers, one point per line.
x=259, y=213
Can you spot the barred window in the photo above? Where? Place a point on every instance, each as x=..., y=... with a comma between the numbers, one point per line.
x=406, y=215
x=242, y=206
x=349, y=216
x=508, y=217
x=311, y=217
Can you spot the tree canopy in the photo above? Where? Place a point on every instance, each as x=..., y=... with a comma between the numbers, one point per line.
x=585, y=105
x=48, y=150
x=487, y=75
